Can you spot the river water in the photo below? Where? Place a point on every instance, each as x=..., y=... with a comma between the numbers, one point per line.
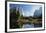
x=31, y=25
x=28, y=26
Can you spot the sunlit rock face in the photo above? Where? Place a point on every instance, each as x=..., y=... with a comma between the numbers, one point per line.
x=38, y=13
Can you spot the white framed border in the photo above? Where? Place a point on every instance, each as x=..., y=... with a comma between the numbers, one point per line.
x=22, y=29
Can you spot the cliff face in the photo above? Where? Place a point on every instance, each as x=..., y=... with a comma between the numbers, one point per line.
x=38, y=13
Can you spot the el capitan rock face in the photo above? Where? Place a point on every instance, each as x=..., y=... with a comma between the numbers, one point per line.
x=38, y=13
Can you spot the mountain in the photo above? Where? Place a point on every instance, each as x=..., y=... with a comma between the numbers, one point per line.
x=38, y=13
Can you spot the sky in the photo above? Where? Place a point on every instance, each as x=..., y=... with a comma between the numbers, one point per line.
x=27, y=10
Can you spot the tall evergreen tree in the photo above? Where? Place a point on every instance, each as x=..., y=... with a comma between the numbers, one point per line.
x=13, y=18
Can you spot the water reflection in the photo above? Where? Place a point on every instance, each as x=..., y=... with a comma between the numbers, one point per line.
x=28, y=26
x=32, y=25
